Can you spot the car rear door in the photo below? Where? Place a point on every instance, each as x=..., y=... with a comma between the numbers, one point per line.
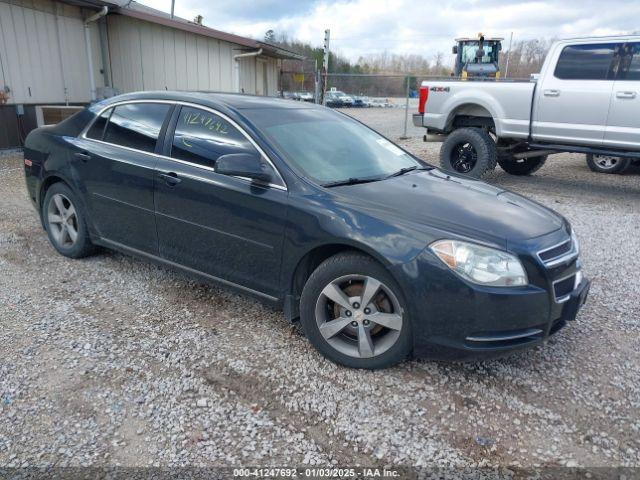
x=623, y=124
x=228, y=227
x=114, y=161
x=572, y=102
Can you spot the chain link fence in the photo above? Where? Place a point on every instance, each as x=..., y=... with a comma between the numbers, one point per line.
x=359, y=90
x=376, y=91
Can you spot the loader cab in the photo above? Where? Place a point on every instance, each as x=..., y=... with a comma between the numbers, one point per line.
x=477, y=57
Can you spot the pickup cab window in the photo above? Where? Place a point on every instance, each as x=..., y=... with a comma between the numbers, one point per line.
x=587, y=62
x=630, y=66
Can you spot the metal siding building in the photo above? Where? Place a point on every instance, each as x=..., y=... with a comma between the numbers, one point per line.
x=44, y=61
x=42, y=52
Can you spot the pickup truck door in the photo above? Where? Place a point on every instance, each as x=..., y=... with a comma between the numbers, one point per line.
x=623, y=124
x=572, y=102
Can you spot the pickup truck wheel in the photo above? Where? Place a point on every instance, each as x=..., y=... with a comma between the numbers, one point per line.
x=607, y=163
x=469, y=151
x=521, y=166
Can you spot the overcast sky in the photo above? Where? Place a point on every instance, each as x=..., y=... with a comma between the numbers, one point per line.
x=410, y=26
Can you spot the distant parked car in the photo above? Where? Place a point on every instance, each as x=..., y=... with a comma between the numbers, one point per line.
x=304, y=96
x=333, y=100
x=289, y=95
x=367, y=102
x=343, y=98
x=347, y=100
x=381, y=102
x=358, y=101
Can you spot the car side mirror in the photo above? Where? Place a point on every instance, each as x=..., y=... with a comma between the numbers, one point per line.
x=454, y=50
x=248, y=165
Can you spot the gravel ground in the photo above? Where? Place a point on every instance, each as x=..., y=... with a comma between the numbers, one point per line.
x=112, y=361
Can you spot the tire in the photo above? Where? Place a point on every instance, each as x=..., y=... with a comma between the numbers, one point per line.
x=521, y=166
x=469, y=151
x=63, y=215
x=369, y=345
x=607, y=163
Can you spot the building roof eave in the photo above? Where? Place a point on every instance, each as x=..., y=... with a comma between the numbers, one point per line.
x=180, y=24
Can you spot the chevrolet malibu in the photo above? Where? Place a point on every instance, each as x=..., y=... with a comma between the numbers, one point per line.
x=377, y=254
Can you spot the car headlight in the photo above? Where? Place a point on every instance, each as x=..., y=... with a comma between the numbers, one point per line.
x=482, y=265
x=574, y=241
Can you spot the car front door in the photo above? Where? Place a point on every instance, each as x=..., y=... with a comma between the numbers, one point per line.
x=228, y=227
x=623, y=124
x=572, y=102
x=114, y=161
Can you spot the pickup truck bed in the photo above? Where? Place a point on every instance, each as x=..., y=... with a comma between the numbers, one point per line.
x=507, y=103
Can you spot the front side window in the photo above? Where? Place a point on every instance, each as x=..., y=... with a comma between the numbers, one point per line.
x=586, y=62
x=630, y=58
x=201, y=137
x=330, y=147
x=97, y=128
x=136, y=125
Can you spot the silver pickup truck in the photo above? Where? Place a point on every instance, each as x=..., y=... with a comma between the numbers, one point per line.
x=585, y=99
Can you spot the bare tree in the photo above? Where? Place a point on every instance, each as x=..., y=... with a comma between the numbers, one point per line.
x=526, y=57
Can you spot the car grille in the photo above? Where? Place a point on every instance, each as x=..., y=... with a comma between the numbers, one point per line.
x=558, y=253
x=563, y=287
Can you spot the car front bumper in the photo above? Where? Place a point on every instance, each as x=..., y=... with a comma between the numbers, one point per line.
x=453, y=319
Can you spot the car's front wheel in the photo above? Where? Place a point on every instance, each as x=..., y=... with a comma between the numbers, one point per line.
x=353, y=312
x=65, y=222
x=521, y=166
x=607, y=163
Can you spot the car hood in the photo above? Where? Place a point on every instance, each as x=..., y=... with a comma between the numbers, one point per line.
x=458, y=205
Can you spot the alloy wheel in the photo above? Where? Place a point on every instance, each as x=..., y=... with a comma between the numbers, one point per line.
x=606, y=162
x=359, y=316
x=464, y=158
x=63, y=221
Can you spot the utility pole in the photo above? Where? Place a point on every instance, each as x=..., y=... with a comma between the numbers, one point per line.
x=406, y=110
x=325, y=63
x=173, y=7
x=506, y=67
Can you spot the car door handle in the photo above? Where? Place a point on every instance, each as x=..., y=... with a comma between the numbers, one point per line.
x=83, y=156
x=626, y=94
x=552, y=93
x=170, y=178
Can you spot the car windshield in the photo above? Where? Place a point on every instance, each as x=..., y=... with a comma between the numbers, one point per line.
x=330, y=147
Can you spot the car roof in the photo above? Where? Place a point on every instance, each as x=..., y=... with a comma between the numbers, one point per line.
x=233, y=101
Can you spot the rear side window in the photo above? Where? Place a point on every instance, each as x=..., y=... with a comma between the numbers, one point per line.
x=201, y=137
x=586, y=62
x=97, y=129
x=630, y=62
x=136, y=125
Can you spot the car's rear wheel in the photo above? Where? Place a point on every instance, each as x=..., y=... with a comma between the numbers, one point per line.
x=607, y=163
x=521, y=166
x=65, y=223
x=353, y=312
x=469, y=151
